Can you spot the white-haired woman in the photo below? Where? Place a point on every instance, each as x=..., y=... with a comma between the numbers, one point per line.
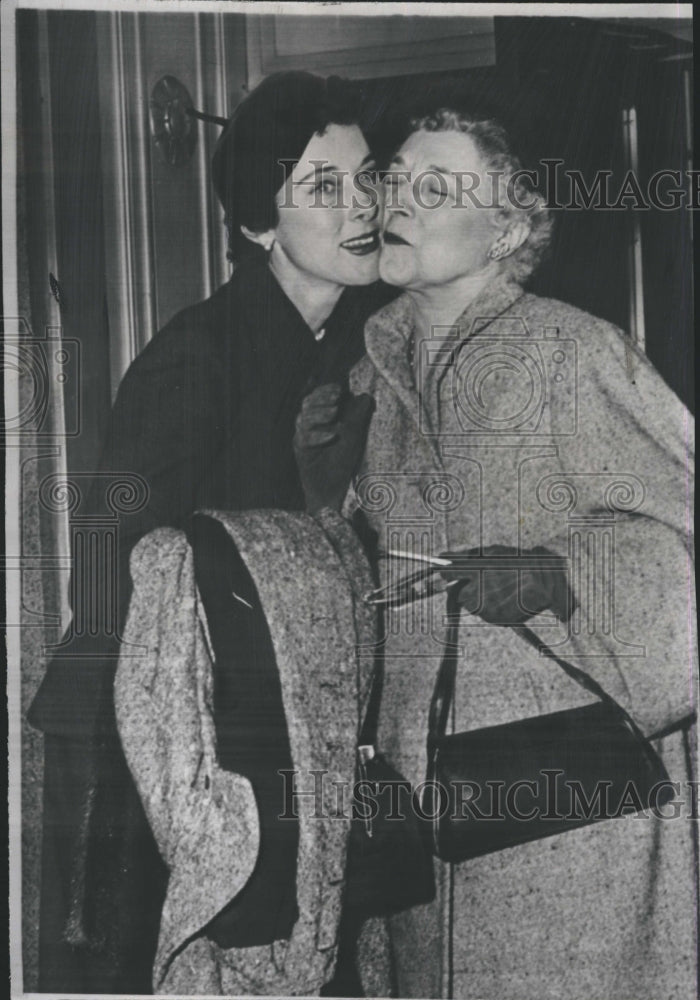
x=509, y=425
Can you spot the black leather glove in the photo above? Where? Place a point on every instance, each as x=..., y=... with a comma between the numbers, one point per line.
x=511, y=596
x=331, y=431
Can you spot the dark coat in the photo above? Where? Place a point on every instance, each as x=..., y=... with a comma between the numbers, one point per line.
x=205, y=415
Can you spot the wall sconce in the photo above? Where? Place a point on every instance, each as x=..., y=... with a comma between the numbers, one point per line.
x=172, y=126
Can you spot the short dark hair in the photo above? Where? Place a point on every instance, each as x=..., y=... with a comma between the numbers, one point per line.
x=264, y=139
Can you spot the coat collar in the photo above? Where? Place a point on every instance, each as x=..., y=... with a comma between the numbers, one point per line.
x=277, y=337
x=388, y=334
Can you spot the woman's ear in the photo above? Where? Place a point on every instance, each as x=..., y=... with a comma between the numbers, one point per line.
x=265, y=240
x=509, y=241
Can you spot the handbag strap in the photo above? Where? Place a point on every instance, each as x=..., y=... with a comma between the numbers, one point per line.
x=443, y=692
x=368, y=731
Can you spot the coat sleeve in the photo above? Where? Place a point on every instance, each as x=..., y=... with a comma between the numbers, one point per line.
x=627, y=530
x=163, y=429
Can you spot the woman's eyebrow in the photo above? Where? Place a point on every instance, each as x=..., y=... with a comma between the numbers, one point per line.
x=318, y=171
x=440, y=170
x=397, y=161
x=368, y=162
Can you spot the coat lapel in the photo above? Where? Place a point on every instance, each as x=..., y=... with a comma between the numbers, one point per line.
x=388, y=334
x=387, y=337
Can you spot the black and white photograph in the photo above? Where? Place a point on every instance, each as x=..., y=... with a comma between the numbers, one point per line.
x=348, y=360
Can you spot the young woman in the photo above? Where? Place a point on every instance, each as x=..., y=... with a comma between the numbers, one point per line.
x=205, y=415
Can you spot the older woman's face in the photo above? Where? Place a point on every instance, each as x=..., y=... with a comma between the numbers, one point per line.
x=328, y=219
x=432, y=233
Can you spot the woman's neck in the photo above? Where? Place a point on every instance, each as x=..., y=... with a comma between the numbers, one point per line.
x=313, y=297
x=442, y=305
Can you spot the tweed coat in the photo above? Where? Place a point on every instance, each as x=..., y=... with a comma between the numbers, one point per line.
x=308, y=575
x=205, y=417
x=540, y=425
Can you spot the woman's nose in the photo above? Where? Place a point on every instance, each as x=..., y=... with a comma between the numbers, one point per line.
x=366, y=202
x=397, y=199
x=372, y=212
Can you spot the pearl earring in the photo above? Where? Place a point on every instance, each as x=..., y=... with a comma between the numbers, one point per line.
x=499, y=249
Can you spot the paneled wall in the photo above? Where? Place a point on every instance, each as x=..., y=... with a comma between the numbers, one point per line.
x=164, y=236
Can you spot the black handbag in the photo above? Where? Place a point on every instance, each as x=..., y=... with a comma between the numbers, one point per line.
x=389, y=862
x=493, y=788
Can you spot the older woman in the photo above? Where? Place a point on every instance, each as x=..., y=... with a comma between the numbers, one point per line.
x=508, y=424
x=205, y=415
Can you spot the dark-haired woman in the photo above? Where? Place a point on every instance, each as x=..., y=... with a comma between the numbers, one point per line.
x=205, y=415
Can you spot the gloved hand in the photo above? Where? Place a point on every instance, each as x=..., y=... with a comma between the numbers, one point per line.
x=331, y=431
x=511, y=596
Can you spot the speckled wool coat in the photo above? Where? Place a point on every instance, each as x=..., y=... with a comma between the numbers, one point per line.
x=204, y=819
x=541, y=425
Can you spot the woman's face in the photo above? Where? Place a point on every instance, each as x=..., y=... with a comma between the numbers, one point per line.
x=328, y=219
x=432, y=233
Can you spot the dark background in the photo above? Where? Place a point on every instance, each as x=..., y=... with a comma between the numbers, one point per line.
x=559, y=86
